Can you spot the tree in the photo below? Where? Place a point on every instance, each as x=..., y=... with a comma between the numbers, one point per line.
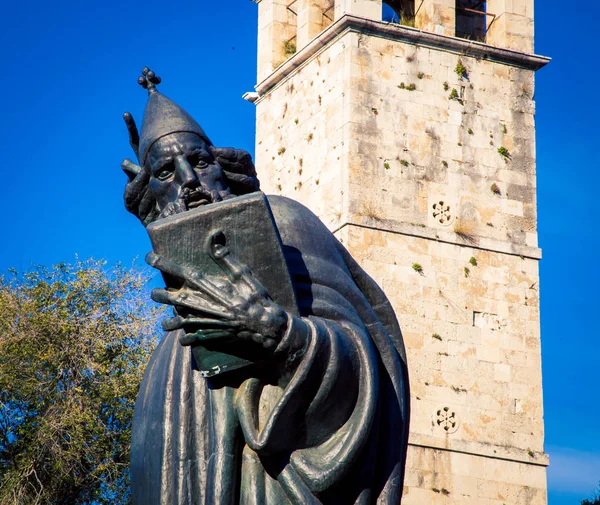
x=593, y=500
x=74, y=342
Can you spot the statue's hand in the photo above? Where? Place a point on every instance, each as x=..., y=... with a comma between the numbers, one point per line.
x=215, y=309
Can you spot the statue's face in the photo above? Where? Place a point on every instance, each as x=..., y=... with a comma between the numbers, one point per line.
x=184, y=175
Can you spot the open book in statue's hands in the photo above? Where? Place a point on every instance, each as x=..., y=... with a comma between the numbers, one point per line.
x=227, y=279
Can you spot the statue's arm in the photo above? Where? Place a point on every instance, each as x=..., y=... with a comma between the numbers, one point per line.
x=208, y=309
x=327, y=365
x=327, y=408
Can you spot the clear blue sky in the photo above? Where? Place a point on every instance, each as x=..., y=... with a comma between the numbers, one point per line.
x=68, y=71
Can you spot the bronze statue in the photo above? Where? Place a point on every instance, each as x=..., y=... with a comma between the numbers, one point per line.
x=311, y=405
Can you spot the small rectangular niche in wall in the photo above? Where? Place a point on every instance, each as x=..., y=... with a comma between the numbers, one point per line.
x=471, y=22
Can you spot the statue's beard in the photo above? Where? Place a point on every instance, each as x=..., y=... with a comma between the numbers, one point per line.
x=191, y=198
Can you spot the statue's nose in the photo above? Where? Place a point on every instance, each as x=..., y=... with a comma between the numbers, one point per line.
x=186, y=173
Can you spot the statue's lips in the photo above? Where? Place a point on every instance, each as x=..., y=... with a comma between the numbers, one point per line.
x=197, y=203
x=196, y=198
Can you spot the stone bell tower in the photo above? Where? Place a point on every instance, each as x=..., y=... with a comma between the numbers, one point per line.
x=413, y=139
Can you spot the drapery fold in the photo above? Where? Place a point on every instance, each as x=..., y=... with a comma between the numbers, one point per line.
x=332, y=429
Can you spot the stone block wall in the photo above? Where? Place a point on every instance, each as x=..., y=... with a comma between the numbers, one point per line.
x=438, y=477
x=277, y=26
x=399, y=119
x=470, y=320
x=302, y=135
x=425, y=170
x=428, y=132
x=509, y=23
x=512, y=27
x=313, y=17
x=437, y=16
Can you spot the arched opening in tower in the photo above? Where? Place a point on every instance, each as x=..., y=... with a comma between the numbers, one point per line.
x=399, y=11
x=471, y=21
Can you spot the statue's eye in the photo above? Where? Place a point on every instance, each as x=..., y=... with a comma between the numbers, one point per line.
x=196, y=161
x=165, y=172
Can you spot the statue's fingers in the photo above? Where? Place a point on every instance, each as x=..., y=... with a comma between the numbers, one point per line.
x=191, y=276
x=205, y=336
x=189, y=301
x=164, y=265
x=258, y=338
x=245, y=335
x=215, y=334
x=134, y=135
x=235, y=270
x=172, y=323
x=131, y=169
x=196, y=322
x=197, y=280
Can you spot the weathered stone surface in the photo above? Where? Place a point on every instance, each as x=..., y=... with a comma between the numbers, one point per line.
x=369, y=133
x=353, y=106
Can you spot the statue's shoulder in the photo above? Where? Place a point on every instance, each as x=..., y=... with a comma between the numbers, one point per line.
x=288, y=205
x=290, y=213
x=301, y=228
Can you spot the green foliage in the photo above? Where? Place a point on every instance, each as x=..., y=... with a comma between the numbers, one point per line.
x=437, y=336
x=289, y=48
x=446, y=86
x=420, y=75
x=453, y=94
x=417, y=268
x=460, y=69
x=410, y=87
x=74, y=342
x=592, y=500
x=404, y=163
x=473, y=261
x=386, y=165
x=502, y=151
x=281, y=151
x=494, y=188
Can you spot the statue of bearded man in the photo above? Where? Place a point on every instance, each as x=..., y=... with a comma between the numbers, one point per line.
x=324, y=419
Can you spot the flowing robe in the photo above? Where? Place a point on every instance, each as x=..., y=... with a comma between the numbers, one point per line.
x=326, y=423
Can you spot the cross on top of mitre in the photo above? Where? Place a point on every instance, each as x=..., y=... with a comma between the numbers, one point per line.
x=148, y=80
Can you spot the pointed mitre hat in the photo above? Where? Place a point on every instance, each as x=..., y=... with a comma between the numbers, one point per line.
x=162, y=117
